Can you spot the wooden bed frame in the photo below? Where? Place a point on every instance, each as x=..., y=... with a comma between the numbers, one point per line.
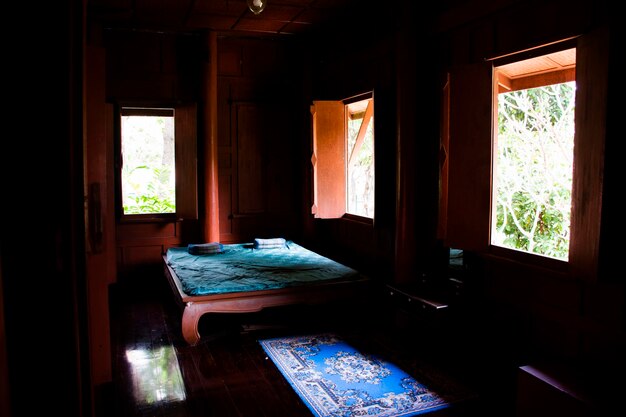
x=193, y=307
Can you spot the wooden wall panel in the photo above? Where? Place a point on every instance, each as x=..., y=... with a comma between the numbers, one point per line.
x=230, y=61
x=137, y=260
x=147, y=65
x=186, y=125
x=139, y=247
x=251, y=186
x=226, y=208
x=130, y=232
x=281, y=163
x=224, y=134
x=257, y=169
x=134, y=52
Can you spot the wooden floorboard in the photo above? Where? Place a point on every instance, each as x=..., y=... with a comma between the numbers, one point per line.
x=227, y=373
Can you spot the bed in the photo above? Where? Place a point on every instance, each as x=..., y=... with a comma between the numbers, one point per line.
x=247, y=278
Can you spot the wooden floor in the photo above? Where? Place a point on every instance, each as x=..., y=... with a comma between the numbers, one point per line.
x=228, y=374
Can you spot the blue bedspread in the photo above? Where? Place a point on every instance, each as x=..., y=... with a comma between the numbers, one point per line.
x=242, y=268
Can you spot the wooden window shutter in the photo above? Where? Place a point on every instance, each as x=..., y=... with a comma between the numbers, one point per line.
x=444, y=146
x=592, y=90
x=329, y=172
x=186, y=131
x=469, y=157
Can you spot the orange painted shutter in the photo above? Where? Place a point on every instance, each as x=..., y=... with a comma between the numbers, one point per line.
x=328, y=159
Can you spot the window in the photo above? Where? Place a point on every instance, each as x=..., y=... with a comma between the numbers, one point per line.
x=468, y=145
x=360, y=164
x=343, y=157
x=533, y=154
x=157, y=162
x=148, y=161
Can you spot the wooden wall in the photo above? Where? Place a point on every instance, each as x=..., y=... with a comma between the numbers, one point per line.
x=99, y=216
x=257, y=119
x=520, y=312
x=525, y=313
x=151, y=68
x=336, y=70
x=515, y=312
x=258, y=179
x=42, y=248
x=265, y=88
x=397, y=60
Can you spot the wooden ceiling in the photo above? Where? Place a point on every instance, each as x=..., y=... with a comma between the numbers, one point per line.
x=280, y=17
x=557, y=67
x=557, y=61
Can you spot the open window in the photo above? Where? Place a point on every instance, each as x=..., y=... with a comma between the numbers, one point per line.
x=533, y=154
x=343, y=157
x=574, y=76
x=157, y=163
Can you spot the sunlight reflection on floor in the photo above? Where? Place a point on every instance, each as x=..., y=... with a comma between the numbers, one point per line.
x=156, y=375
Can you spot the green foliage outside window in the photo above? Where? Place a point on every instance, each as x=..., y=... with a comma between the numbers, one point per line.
x=360, y=172
x=155, y=197
x=148, y=183
x=533, y=170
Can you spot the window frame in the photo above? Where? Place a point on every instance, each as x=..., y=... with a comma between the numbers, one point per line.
x=348, y=152
x=185, y=154
x=503, y=84
x=467, y=222
x=330, y=158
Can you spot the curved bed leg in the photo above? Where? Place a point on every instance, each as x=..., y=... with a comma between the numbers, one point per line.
x=191, y=316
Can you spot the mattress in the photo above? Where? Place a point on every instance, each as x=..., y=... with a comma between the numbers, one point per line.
x=240, y=267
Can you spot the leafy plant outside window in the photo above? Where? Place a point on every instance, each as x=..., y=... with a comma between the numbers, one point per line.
x=148, y=172
x=360, y=165
x=361, y=174
x=534, y=169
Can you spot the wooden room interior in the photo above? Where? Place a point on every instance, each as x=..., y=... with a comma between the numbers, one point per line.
x=530, y=335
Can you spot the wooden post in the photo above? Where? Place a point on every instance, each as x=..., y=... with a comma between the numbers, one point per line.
x=209, y=139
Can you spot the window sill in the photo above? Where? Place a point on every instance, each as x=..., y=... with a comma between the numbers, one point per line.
x=149, y=218
x=358, y=219
x=527, y=260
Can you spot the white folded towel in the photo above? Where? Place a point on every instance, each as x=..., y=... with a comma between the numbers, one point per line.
x=205, y=248
x=277, y=242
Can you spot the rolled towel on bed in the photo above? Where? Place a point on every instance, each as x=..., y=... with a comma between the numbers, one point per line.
x=277, y=242
x=205, y=248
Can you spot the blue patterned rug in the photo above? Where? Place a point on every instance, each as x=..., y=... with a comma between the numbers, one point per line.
x=336, y=380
